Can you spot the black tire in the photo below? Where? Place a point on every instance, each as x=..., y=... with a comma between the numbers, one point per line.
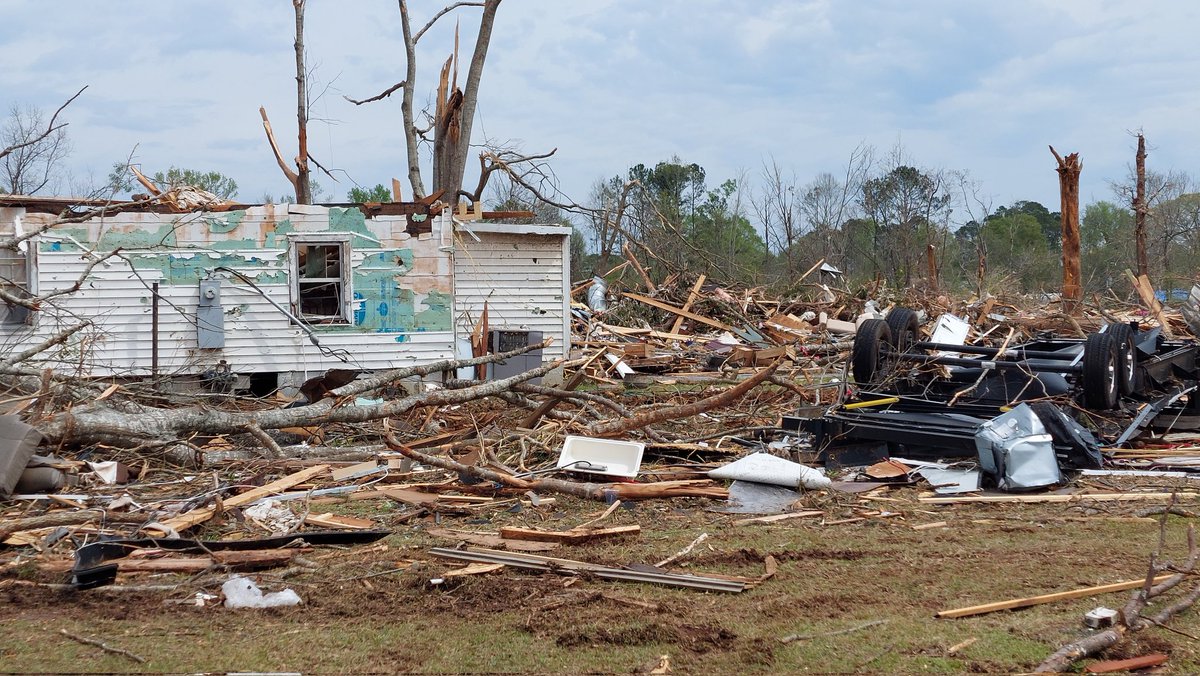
x=1126, y=356
x=1100, y=360
x=866, y=355
x=905, y=328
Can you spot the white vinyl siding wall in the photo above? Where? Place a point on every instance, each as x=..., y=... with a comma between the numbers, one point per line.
x=523, y=273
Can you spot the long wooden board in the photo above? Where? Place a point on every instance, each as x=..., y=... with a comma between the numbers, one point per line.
x=1045, y=598
x=573, y=536
x=681, y=312
x=695, y=293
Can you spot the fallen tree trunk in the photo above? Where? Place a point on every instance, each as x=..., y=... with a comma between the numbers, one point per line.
x=611, y=428
x=102, y=424
x=65, y=518
x=602, y=492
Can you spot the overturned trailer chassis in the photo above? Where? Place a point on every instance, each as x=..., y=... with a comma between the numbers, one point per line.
x=928, y=399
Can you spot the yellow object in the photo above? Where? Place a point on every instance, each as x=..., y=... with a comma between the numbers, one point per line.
x=874, y=402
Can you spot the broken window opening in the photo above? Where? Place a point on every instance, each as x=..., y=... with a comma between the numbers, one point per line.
x=320, y=280
x=16, y=279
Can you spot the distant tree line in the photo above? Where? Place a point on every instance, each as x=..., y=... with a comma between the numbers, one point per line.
x=875, y=218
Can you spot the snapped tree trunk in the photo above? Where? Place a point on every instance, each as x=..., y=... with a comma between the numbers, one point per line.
x=453, y=126
x=303, y=182
x=1140, y=210
x=1068, y=186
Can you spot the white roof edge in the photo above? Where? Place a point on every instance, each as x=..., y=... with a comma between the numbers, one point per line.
x=502, y=228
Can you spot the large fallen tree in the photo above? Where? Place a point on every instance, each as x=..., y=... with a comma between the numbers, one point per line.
x=137, y=424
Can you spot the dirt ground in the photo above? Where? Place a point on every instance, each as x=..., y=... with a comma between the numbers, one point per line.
x=373, y=608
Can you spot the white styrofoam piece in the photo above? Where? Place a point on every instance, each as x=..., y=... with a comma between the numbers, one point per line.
x=765, y=468
x=601, y=456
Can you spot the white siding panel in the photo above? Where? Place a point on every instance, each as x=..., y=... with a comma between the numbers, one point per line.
x=258, y=337
x=521, y=277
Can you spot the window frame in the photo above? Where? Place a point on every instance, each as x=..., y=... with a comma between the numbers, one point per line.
x=18, y=315
x=297, y=240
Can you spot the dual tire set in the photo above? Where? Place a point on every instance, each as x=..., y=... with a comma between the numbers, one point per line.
x=1106, y=371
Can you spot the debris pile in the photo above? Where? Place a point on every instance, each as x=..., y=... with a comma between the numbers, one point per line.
x=878, y=407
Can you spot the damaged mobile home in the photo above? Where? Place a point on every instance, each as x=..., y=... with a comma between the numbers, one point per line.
x=264, y=296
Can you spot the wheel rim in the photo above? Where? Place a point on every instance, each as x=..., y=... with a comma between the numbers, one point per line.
x=1112, y=376
x=1129, y=365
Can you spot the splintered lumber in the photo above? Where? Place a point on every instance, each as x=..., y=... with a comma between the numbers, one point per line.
x=547, y=564
x=679, y=311
x=1045, y=598
x=1145, y=291
x=687, y=305
x=573, y=536
x=473, y=569
x=198, y=516
x=540, y=412
x=1079, y=497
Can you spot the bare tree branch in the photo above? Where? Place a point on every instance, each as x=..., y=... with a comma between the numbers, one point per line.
x=444, y=11
x=378, y=97
x=50, y=127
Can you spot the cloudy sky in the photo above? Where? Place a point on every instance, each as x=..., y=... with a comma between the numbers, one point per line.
x=977, y=86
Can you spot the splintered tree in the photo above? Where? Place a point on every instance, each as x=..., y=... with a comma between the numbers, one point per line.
x=1140, y=209
x=454, y=111
x=300, y=177
x=1068, y=186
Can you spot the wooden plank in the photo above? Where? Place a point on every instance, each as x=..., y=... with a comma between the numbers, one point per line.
x=1080, y=497
x=778, y=517
x=1131, y=664
x=638, y=350
x=410, y=497
x=397, y=191
x=198, y=516
x=330, y=520
x=678, y=311
x=573, y=536
x=493, y=541
x=343, y=473
x=626, y=331
x=1045, y=598
x=687, y=305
